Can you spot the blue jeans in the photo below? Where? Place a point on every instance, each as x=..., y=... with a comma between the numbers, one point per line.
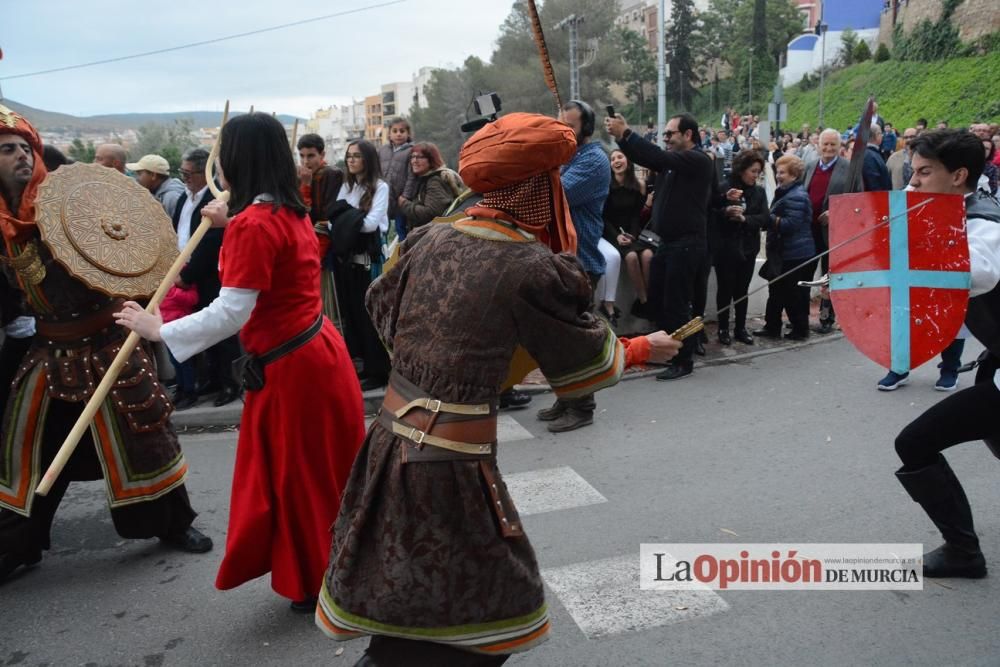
x=185, y=374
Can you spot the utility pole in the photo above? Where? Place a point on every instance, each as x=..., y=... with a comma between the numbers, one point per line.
x=661, y=81
x=821, y=31
x=571, y=22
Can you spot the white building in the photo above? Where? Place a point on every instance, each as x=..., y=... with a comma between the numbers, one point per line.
x=420, y=81
x=807, y=53
x=338, y=125
x=397, y=99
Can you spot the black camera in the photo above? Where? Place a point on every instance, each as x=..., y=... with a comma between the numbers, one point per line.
x=486, y=105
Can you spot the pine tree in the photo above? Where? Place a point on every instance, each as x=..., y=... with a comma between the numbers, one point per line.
x=683, y=26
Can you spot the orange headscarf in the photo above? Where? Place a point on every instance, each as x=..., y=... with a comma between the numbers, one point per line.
x=508, y=154
x=18, y=226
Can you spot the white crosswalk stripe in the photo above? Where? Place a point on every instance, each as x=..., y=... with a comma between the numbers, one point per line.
x=604, y=598
x=537, y=491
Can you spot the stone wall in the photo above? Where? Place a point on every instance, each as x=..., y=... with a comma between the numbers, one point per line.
x=974, y=18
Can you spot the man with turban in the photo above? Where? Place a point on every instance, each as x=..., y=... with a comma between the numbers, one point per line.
x=429, y=555
x=130, y=443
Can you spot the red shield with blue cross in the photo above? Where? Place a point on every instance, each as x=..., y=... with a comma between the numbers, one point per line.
x=900, y=283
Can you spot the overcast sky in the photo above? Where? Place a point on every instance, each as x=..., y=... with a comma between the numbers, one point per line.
x=293, y=70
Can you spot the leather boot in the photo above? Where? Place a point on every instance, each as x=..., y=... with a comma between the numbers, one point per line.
x=579, y=412
x=940, y=494
x=10, y=561
x=553, y=413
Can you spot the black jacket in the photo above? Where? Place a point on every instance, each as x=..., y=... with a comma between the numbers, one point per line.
x=683, y=188
x=733, y=240
x=202, y=270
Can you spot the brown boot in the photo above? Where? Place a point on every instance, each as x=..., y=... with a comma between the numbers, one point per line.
x=557, y=410
x=571, y=420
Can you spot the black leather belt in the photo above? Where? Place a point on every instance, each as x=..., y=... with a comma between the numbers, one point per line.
x=248, y=370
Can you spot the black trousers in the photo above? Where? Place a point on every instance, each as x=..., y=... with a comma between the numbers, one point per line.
x=786, y=295
x=11, y=355
x=673, y=274
x=220, y=361
x=394, y=652
x=700, y=298
x=352, y=282
x=821, y=236
x=733, y=273
x=167, y=515
x=966, y=415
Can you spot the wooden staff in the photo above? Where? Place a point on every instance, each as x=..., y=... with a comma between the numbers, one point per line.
x=101, y=393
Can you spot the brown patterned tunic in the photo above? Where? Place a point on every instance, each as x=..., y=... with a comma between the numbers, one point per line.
x=418, y=551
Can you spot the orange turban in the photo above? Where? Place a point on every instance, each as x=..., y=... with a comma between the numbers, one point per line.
x=18, y=226
x=513, y=150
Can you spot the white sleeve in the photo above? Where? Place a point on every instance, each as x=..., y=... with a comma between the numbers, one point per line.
x=22, y=326
x=224, y=317
x=378, y=215
x=984, y=254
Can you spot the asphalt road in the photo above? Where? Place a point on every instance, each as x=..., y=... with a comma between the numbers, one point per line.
x=789, y=447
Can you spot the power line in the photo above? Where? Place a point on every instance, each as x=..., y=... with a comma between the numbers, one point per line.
x=202, y=43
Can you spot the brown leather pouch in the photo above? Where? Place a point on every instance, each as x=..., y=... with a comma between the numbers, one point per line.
x=70, y=377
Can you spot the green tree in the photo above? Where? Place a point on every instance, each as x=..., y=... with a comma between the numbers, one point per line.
x=862, y=52
x=167, y=141
x=727, y=41
x=848, y=43
x=80, y=152
x=680, y=36
x=640, y=68
x=515, y=73
x=882, y=53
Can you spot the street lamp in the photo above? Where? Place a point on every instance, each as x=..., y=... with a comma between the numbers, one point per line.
x=821, y=29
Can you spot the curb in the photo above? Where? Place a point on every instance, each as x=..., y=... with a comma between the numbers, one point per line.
x=229, y=415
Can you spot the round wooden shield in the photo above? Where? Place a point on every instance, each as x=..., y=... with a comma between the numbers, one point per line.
x=106, y=229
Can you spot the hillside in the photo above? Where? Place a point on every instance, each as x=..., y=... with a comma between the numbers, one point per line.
x=52, y=121
x=961, y=91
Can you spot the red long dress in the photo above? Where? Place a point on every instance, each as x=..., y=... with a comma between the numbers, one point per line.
x=300, y=433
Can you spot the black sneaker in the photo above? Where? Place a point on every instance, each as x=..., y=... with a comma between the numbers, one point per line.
x=512, y=398
x=676, y=372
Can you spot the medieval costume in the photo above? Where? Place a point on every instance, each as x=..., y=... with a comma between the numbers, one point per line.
x=131, y=443
x=303, y=420
x=428, y=545
x=965, y=416
x=319, y=195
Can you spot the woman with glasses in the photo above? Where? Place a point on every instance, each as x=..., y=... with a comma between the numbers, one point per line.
x=437, y=187
x=364, y=190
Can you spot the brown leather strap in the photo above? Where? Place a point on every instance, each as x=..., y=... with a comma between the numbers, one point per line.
x=503, y=506
x=478, y=430
x=425, y=452
x=73, y=330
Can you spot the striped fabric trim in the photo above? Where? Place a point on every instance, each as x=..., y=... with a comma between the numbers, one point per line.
x=125, y=487
x=22, y=445
x=492, y=231
x=603, y=371
x=512, y=635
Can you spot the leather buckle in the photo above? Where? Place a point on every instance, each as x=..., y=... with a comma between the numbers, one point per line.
x=434, y=405
x=419, y=439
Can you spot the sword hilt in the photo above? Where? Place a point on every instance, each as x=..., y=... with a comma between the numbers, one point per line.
x=692, y=327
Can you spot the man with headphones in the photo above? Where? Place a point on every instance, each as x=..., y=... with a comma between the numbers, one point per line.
x=586, y=180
